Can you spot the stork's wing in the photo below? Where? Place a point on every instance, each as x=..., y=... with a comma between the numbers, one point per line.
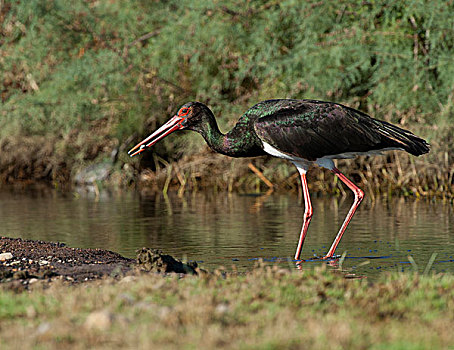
x=314, y=129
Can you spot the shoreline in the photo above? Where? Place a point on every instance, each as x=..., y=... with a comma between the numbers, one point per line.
x=24, y=262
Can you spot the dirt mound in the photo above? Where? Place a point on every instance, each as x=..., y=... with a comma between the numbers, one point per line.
x=37, y=259
x=23, y=261
x=154, y=260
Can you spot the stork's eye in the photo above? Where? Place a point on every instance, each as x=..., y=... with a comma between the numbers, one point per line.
x=183, y=112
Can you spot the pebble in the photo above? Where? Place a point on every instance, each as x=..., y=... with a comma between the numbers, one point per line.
x=101, y=320
x=222, y=309
x=43, y=328
x=5, y=256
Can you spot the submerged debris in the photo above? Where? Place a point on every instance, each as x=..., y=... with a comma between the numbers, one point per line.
x=154, y=260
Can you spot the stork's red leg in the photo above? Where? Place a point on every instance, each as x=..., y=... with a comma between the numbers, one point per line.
x=307, y=214
x=359, y=195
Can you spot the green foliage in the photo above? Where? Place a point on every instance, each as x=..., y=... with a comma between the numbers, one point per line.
x=69, y=67
x=392, y=54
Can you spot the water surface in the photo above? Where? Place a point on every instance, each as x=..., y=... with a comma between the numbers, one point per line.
x=236, y=230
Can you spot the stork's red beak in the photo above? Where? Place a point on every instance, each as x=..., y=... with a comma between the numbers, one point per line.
x=172, y=124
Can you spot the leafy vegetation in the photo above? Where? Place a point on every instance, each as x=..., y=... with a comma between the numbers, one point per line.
x=84, y=78
x=265, y=308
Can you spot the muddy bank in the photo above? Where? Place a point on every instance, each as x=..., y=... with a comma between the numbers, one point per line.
x=26, y=261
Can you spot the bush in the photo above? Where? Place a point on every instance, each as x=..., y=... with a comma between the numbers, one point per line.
x=69, y=67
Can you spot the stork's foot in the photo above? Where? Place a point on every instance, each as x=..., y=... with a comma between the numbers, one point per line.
x=331, y=257
x=332, y=260
x=299, y=265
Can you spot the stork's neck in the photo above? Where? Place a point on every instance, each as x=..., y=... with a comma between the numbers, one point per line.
x=241, y=141
x=212, y=135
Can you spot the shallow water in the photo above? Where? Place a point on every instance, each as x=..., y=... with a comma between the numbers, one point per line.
x=236, y=230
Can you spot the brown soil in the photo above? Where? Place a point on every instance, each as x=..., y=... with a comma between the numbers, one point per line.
x=38, y=260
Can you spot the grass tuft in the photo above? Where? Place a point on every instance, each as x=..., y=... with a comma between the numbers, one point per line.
x=268, y=307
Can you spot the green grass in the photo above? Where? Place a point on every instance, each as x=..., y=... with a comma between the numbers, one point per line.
x=267, y=308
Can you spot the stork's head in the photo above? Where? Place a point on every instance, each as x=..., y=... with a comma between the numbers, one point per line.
x=190, y=116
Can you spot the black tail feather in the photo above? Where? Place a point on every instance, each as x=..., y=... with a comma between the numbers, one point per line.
x=403, y=139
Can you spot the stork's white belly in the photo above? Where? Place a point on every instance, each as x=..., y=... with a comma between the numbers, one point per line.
x=326, y=161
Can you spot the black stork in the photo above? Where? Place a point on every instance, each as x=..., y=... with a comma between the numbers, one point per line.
x=306, y=132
